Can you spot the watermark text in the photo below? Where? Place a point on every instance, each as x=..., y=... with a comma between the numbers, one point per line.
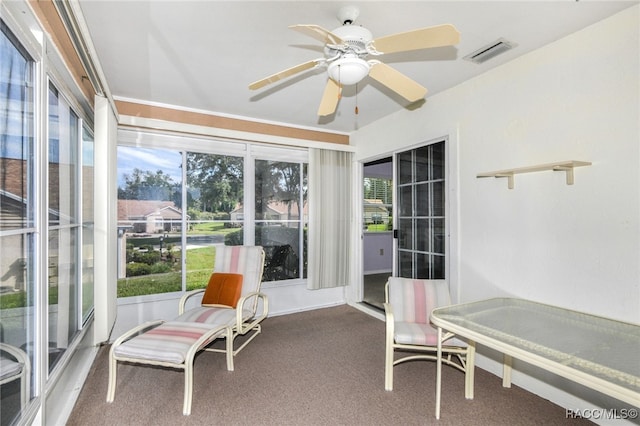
x=602, y=413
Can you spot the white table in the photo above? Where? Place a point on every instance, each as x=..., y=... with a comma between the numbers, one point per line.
x=600, y=353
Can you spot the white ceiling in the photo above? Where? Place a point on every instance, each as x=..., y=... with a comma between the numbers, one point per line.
x=202, y=55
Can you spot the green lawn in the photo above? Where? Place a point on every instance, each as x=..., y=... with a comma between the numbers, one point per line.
x=199, y=266
x=210, y=228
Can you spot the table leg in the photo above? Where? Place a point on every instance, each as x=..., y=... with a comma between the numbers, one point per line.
x=506, y=371
x=438, y=372
x=469, y=376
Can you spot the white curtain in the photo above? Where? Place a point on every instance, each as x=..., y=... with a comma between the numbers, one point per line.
x=330, y=200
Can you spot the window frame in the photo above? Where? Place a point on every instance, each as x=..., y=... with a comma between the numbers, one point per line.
x=46, y=66
x=250, y=152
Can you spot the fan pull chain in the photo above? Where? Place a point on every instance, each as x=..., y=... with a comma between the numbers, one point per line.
x=339, y=82
x=356, y=98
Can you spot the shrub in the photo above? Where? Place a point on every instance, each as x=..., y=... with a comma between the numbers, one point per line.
x=136, y=269
x=194, y=214
x=160, y=268
x=221, y=216
x=234, y=238
x=149, y=257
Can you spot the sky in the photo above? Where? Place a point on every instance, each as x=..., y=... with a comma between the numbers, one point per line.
x=151, y=159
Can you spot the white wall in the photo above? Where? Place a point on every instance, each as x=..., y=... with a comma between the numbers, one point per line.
x=575, y=246
x=377, y=252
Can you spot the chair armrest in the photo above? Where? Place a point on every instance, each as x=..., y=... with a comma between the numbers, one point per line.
x=253, y=297
x=389, y=319
x=16, y=353
x=134, y=332
x=185, y=297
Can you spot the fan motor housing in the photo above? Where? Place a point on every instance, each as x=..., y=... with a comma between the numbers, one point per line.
x=355, y=37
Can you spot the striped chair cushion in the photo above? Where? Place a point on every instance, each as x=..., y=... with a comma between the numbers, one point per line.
x=169, y=342
x=413, y=301
x=245, y=260
x=411, y=333
x=213, y=315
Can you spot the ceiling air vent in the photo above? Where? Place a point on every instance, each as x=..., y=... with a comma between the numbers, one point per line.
x=489, y=51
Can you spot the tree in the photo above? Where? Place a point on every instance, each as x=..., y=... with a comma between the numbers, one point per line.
x=217, y=178
x=378, y=189
x=278, y=181
x=146, y=185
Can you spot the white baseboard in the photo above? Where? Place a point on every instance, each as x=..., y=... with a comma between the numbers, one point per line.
x=381, y=271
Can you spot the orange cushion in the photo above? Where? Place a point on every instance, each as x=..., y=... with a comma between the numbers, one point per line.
x=223, y=289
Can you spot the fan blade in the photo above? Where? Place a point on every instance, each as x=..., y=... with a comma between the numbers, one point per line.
x=398, y=82
x=286, y=73
x=319, y=33
x=330, y=98
x=440, y=35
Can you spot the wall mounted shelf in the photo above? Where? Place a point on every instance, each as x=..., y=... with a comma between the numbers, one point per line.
x=563, y=166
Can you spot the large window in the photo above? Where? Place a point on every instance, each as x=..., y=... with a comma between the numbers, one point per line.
x=176, y=206
x=17, y=211
x=46, y=224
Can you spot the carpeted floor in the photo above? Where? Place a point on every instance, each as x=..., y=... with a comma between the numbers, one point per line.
x=323, y=367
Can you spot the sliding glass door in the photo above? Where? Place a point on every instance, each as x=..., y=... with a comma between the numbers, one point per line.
x=420, y=205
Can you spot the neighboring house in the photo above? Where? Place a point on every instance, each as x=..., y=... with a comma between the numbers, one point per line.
x=149, y=216
x=275, y=210
x=15, y=194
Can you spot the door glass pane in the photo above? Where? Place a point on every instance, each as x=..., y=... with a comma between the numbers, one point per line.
x=405, y=234
x=421, y=217
x=405, y=264
x=437, y=198
x=422, y=266
x=422, y=199
x=405, y=201
x=423, y=234
x=437, y=156
x=405, y=174
x=437, y=267
x=215, y=216
x=422, y=163
x=149, y=221
x=438, y=235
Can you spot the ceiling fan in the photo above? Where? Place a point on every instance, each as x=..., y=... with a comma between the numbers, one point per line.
x=346, y=48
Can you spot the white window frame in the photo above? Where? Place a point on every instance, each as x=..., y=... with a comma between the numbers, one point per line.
x=248, y=150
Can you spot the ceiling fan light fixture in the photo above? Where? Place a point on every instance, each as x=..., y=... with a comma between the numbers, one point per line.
x=348, y=70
